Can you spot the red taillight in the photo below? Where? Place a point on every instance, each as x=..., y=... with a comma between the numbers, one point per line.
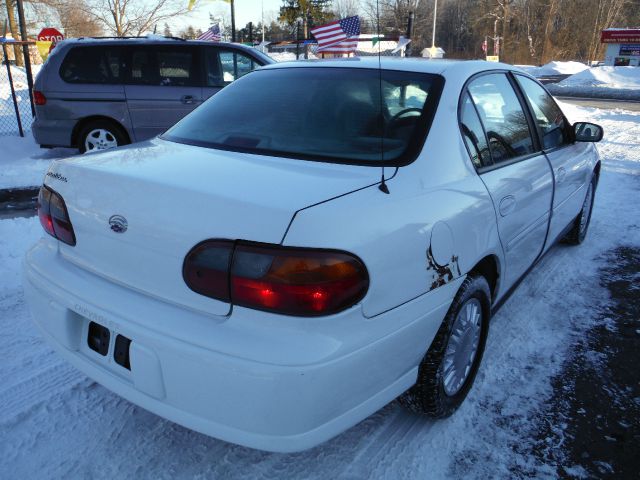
x=39, y=98
x=206, y=269
x=54, y=217
x=291, y=281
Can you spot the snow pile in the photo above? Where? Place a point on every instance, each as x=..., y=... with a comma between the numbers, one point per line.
x=23, y=163
x=8, y=124
x=289, y=56
x=606, y=77
x=555, y=68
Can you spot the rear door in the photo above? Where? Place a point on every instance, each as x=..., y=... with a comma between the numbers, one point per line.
x=223, y=66
x=504, y=148
x=164, y=84
x=569, y=159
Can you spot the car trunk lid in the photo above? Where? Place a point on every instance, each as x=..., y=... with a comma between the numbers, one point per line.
x=170, y=197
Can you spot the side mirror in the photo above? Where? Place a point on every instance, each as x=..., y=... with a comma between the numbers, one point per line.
x=587, y=132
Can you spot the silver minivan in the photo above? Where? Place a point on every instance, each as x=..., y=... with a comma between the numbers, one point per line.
x=95, y=93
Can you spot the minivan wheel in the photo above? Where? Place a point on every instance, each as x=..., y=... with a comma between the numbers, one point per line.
x=578, y=231
x=448, y=370
x=100, y=135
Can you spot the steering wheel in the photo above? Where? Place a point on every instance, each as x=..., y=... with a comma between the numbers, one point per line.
x=395, y=121
x=397, y=116
x=500, y=145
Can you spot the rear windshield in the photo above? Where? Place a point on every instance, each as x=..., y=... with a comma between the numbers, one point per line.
x=344, y=115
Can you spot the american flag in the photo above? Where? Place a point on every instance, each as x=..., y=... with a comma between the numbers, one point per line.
x=213, y=34
x=340, y=36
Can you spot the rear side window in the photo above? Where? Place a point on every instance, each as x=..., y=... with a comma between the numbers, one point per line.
x=503, y=117
x=91, y=64
x=473, y=134
x=165, y=66
x=553, y=126
x=327, y=114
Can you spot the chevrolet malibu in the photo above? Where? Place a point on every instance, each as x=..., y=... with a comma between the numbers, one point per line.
x=313, y=242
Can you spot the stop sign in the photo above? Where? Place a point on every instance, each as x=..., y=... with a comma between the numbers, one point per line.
x=50, y=35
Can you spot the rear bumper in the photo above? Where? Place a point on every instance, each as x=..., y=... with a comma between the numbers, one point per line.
x=259, y=380
x=52, y=133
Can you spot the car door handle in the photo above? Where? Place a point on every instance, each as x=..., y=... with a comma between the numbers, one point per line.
x=507, y=205
x=561, y=173
x=188, y=99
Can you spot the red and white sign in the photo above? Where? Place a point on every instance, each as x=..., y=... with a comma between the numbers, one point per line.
x=50, y=35
x=620, y=35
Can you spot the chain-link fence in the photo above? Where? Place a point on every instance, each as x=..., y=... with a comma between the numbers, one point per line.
x=15, y=106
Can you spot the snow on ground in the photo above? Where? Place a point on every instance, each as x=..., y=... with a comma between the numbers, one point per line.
x=57, y=423
x=605, y=77
x=289, y=56
x=23, y=163
x=8, y=124
x=554, y=68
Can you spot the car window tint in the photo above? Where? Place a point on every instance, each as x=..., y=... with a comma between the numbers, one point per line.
x=234, y=65
x=473, y=134
x=503, y=118
x=143, y=68
x=165, y=66
x=329, y=114
x=549, y=118
x=91, y=65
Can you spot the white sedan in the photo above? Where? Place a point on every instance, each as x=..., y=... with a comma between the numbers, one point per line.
x=313, y=242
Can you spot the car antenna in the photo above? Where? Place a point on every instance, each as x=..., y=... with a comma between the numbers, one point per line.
x=383, y=184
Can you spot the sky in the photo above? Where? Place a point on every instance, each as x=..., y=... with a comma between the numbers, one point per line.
x=246, y=11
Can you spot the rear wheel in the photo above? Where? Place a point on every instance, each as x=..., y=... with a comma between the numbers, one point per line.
x=101, y=135
x=580, y=226
x=449, y=368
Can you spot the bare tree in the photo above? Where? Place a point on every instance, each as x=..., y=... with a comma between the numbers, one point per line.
x=345, y=8
x=13, y=28
x=123, y=18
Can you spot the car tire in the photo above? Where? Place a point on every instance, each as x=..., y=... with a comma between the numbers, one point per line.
x=101, y=135
x=578, y=231
x=439, y=389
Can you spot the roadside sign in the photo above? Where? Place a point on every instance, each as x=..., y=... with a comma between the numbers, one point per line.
x=50, y=35
x=493, y=58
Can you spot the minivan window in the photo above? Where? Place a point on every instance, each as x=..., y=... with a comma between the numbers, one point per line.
x=165, y=66
x=224, y=66
x=92, y=64
x=329, y=114
x=503, y=117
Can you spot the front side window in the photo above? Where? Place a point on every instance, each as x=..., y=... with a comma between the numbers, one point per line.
x=326, y=114
x=503, y=117
x=549, y=118
x=92, y=65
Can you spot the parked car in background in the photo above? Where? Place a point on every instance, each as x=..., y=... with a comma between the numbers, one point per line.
x=339, y=238
x=96, y=94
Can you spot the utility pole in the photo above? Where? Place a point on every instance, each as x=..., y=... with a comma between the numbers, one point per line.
x=435, y=16
x=409, y=33
x=251, y=32
x=25, y=51
x=233, y=21
x=262, y=21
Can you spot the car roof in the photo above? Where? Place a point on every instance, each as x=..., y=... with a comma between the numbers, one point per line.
x=158, y=40
x=440, y=67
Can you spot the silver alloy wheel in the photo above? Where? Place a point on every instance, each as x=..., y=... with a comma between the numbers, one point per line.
x=586, y=209
x=100, y=139
x=462, y=346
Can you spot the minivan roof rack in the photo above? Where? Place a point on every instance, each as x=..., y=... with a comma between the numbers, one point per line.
x=131, y=37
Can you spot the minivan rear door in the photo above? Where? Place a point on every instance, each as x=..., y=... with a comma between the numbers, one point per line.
x=163, y=85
